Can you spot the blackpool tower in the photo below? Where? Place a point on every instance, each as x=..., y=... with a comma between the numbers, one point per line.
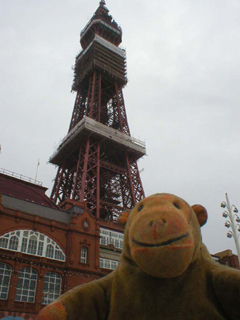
x=97, y=159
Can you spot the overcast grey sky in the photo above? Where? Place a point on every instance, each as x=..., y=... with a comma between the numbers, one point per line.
x=182, y=98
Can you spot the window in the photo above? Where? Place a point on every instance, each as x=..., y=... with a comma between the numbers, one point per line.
x=13, y=243
x=4, y=241
x=50, y=251
x=33, y=243
x=5, y=277
x=113, y=265
x=26, y=285
x=59, y=255
x=24, y=244
x=51, y=287
x=40, y=249
x=108, y=264
x=111, y=237
x=84, y=255
x=103, y=241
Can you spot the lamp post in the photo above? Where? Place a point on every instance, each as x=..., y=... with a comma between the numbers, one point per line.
x=233, y=222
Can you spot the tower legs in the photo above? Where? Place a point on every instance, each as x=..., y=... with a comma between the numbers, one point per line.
x=108, y=182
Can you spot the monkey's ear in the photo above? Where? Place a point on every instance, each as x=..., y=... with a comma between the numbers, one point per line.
x=123, y=217
x=201, y=214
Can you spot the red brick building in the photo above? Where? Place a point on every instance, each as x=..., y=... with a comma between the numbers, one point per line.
x=227, y=258
x=45, y=251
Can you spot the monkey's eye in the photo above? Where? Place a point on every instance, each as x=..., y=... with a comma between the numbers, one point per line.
x=176, y=205
x=140, y=207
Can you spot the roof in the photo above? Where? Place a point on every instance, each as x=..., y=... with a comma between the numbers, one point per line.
x=35, y=209
x=111, y=30
x=222, y=254
x=25, y=191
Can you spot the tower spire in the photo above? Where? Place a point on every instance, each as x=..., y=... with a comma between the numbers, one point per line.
x=102, y=3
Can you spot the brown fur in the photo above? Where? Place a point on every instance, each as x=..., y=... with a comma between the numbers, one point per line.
x=162, y=274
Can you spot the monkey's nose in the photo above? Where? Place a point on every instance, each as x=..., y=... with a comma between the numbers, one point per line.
x=157, y=223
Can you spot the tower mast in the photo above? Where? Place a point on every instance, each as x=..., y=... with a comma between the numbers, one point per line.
x=97, y=159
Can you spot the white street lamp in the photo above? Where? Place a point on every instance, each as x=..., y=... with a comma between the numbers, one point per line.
x=231, y=213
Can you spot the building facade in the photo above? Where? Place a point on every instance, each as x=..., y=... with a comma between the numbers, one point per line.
x=227, y=258
x=45, y=251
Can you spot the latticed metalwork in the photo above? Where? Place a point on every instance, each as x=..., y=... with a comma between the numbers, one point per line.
x=102, y=101
x=98, y=158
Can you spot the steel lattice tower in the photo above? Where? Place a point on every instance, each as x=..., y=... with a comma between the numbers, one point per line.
x=98, y=158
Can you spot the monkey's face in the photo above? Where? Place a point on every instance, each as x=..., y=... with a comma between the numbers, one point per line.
x=163, y=235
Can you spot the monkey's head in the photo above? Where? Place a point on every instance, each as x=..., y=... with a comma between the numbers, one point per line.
x=162, y=234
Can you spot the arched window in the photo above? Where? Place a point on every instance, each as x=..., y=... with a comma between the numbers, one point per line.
x=10, y=240
x=13, y=243
x=84, y=255
x=5, y=277
x=51, y=287
x=26, y=285
x=33, y=243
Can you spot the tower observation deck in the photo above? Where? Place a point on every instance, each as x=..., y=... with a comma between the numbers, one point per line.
x=98, y=157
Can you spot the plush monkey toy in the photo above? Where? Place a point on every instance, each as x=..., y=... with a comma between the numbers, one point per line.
x=165, y=272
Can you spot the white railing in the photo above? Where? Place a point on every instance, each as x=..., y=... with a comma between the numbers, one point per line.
x=19, y=176
x=100, y=126
x=110, y=131
x=118, y=29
